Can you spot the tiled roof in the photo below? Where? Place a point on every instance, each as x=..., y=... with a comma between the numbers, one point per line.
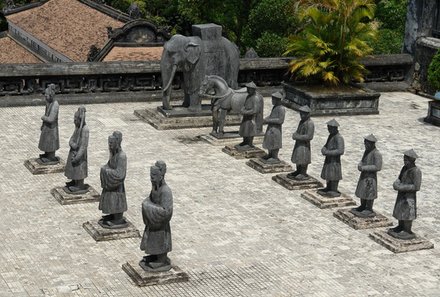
x=12, y=52
x=134, y=54
x=68, y=26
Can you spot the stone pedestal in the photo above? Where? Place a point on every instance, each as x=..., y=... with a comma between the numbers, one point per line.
x=35, y=167
x=180, y=118
x=398, y=245
x=143, y=278
x=64, y=197
x=433, y=113
x=263, y=166
x=228, y=138
x=103, y=234
x=327, y=202
x=253, y=152
x=293, y=184
x=356, y=222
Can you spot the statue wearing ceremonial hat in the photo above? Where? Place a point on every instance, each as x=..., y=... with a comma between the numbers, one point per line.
x=249, y=111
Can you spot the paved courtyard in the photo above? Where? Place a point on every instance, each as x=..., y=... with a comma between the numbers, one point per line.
x=235, y=231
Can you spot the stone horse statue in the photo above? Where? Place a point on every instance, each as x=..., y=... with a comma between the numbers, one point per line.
x=226, y=100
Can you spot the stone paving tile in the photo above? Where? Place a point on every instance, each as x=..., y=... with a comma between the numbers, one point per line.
x=235, y=231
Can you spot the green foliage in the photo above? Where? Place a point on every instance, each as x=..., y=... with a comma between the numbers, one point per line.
x=335, y=36
x=271, y=45
x=434, y=71
x=388, y=42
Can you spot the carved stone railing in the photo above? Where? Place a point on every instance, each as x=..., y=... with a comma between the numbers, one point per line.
x=111, y=77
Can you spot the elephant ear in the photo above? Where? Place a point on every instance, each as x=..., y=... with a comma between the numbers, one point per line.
x=192, y=52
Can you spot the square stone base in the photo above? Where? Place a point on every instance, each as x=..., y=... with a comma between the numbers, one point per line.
x=181, y=118
x=254, y=152
x=103, y=234
x=356, y=222
x=67, y=198
x=399, y=245
x=264, y=167
x=228, y=138
x=37, y=168
x=293, y=184
x=327, y=202
x=143, y=278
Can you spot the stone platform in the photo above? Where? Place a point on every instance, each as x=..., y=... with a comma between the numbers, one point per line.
x=356, y=222
x=36, y=167
x=266, y=167
x=143, y=278
x=103, y=234
x=65, y=198
x=228, y=138
x=399, y=245
x=254, y=152
x=327, y=202
x=293, y=184
x=180, y=118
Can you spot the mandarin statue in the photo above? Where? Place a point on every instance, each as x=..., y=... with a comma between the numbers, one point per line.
x=407, y=185
x=49, y=137
x=113, y=201
x=273, y=137
x=157, y=210
x=76, y=164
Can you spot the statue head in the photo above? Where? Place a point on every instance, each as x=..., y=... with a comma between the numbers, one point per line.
x=114, y=142
x=409, y=158
x=156, y=176
x=251, y=88
x=276, y=98
x=370, y=142
x=332, y=126
x=162, y=166
x=304, y=112
x=80, y=117
x=49, y=93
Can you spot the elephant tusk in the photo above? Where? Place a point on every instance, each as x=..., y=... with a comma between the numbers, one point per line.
x=173, y=72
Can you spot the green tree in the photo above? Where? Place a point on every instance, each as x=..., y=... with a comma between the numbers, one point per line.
x=333, y=39
x=434, y=71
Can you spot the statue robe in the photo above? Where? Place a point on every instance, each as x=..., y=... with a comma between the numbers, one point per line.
x=301, y=154
x=49, y=137
x=157, y=211
x=273, y=137
x=113, y=198
x=334, y=148
x=248, y=126
x=80, y=138
x=367, y=185
x=410, y=182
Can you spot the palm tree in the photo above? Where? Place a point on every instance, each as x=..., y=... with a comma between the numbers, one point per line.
x=332, y=41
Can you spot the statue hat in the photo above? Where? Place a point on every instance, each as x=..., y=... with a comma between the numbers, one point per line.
x=333, y=123
x=251, y=85
x=371, y=138
x=305, y=108
x=411, y=153
x=277, y=95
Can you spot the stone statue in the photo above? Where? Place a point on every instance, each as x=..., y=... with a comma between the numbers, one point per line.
x=49, y=137
x=249, y=111
x=273, y=137
x=301, y=155
x=113, y=201
x=250, y=54
x=405, y=209
x=76, y=164
x=134, y=11
x=366, y=188
x=332, y=150
x=157, y=211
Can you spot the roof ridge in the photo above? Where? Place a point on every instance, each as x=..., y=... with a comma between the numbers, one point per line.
x=39, y=57
x=108, y=10
x=24, y=7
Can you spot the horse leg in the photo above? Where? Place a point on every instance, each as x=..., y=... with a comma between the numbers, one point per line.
x=222, y=120
x=215, y=112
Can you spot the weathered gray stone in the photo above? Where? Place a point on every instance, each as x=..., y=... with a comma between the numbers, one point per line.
x=228, y=138
x=322, y=100
x=143, y=278
x=263, y=166
x=356, y=222
x=36, y=167
x=253, y=152
x=327, y=202
x=399, y=245
x=294, y=184
x=433, y=116
x=161, y=122
x=103, y=234
x=65, y=198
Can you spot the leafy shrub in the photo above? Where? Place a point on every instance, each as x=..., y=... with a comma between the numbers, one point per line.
x=388, y=42
x=434, y=71
x=271, y=45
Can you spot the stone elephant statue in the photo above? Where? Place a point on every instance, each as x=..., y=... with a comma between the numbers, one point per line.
x=210, y=54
